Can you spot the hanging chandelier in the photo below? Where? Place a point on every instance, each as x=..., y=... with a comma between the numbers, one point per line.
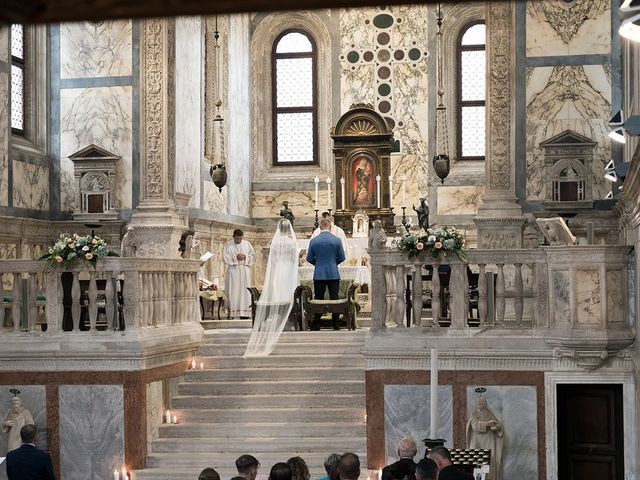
x=441, y=159
x=217, y=170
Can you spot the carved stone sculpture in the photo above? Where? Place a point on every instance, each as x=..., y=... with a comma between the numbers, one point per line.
x=555, y=231
x=17, y=418
x=423, y=214
x=377, y=237
x=484, y=431
x=286, y=212
x=129, y=244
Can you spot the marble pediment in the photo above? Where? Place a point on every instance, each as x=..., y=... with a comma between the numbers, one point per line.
x=93, y=152
x=567, y=138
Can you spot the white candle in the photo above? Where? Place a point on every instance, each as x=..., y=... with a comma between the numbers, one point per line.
x=329, y=193
x=175, y=419
x=342, y=191
x=316, y=181
x=390, y=190
x=167, y=416
x=201, y=366
x=193, y=364
x=434, y=393
x=365, y=418
x=378, y=188
x=379, y=474
x=404, y=190
x=124, y=475
x=116, y=475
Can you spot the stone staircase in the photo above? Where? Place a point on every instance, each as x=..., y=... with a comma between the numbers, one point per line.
x=307, y=399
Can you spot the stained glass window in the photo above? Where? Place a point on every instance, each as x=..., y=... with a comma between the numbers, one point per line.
x=472, y=92
x=17, y=79
x=294, y=98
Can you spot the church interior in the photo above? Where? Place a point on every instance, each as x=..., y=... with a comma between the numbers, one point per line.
x=481, y=158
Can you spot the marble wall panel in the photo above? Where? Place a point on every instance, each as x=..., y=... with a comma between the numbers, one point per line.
x=91, y=430
x=561, y=305
x=615, y=296
x=459, y=200
x=155, y=409
x=588, y=304
x=214, y=200
x=567, y=98
x=516, y=408
x=96, y=49
x=189, y=106
x=4, y=140
x=30, y=186
x=267, y=204
x=101, y=116
x=581, y=27
x=4, y=43
x=33, y=399
x=407, y=412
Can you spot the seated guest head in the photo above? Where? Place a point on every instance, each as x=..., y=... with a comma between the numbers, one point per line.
x=441, y=456
x=280, y=471
x=29, y=434
x=331, y=466
x=407, y=448
x=247, y=466
x=299, y=469
x=325, y=224
x=349, y=466
x=209, y=474
x=426, y=470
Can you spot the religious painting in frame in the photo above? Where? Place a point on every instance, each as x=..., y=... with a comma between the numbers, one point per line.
x=363, y=174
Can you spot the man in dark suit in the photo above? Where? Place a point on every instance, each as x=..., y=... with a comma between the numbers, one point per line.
x=446, y=469
x=325, y=253
x=27, y=462
x=406, y=451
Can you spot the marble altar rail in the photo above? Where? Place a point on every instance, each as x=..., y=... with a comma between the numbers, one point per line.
x=125, y=293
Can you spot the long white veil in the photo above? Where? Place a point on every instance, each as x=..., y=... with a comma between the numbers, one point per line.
x=276, y=299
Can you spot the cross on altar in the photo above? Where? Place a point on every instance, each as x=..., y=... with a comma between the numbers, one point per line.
x=384, y=56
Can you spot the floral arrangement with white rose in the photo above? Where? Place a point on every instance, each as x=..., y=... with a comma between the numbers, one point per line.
x=437, y=241
x=70, y=249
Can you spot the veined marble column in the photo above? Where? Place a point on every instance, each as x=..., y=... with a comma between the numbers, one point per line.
x=239, y=108
x=156, y=223
x=500, y=219
x=5, y=78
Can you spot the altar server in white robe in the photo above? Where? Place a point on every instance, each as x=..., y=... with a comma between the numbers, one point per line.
x=239, y=256
x=337, y=231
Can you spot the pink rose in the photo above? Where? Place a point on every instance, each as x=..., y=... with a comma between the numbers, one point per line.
x=437, y=245
x=89, y=256
x=419, y=246
x=58, y=259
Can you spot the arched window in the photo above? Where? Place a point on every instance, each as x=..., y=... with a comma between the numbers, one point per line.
x=17, y=79
x=294, y=103
x=471, y=92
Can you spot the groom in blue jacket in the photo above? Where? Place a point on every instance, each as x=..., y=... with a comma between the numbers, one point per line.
x=325, y=253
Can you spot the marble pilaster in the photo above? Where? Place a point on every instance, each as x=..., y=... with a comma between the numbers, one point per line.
x=239, y=122
x=4, y=136
x=156, y=222
x=91, y=430
x=499, y=219
x=155, y=411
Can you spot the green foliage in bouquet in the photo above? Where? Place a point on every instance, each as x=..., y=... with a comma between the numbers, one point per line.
x=437, y=241
x=70, y=249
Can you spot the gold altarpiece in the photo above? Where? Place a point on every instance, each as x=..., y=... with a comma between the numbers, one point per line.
x=362, y=151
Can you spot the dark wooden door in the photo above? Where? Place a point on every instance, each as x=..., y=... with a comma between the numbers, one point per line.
x=590, y=436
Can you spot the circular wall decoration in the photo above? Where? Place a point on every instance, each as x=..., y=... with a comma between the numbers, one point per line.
x=383, y=20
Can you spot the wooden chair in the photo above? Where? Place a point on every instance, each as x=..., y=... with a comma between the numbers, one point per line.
x=345, y=304
x=294, y=317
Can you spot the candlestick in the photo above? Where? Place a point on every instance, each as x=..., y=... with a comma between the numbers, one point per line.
x=434, y=393
x=390, y=190
x=316, y=181
x=404, y=190
x=404, y=217
x=316, y=223
x=167, y=416
x=342, y=192
x=378, y=188
x=329, y=193
x=116, y=474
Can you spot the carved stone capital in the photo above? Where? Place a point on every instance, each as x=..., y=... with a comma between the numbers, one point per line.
x=499, y=233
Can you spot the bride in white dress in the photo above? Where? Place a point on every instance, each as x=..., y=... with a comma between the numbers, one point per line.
x=276, y=299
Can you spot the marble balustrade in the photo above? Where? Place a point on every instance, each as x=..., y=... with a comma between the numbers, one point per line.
x=154, y=293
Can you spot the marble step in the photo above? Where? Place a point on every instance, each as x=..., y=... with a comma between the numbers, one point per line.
x=294, y=414
x=285, y=361
x=322, y=336
x=310, y=373
x=224, y=323
x=300, y=400
x=290, y=446
x=238, y=349
x=186, y=459
x=272, y=387
x=275, y=429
